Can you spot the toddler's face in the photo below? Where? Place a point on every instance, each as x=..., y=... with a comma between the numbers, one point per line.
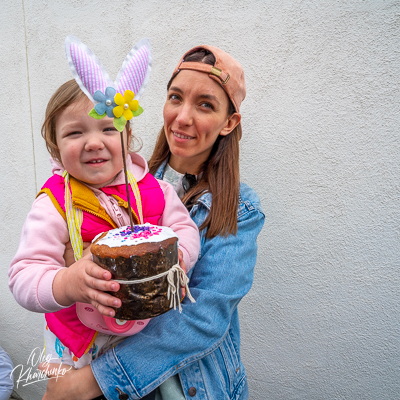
x=90, y=148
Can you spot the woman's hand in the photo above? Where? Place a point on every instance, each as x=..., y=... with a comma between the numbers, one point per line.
x=181, y=262
x=86, y=282
x=183, y=266
x=68, y=383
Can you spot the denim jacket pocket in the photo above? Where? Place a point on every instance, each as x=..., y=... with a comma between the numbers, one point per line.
x=229, y=368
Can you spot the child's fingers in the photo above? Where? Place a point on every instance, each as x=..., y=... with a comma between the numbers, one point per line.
x=105, y=303
x=102, y=285
x=107, y=311
x=97, y=272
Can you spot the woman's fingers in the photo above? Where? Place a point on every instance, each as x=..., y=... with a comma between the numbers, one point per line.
x=53, y=370
x=58, y=375
x=182, y=265
x=73, y=385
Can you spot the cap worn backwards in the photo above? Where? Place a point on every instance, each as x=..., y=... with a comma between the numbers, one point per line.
x=226, y=71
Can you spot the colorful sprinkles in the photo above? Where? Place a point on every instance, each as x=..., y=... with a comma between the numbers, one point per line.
x=139, y=231
x=127, y=236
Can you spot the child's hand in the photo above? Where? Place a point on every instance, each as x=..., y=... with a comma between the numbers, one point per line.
x=86, y=282
x=69, y=252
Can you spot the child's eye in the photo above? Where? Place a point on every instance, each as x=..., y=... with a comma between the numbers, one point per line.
x=73, y=133
x=110, y=129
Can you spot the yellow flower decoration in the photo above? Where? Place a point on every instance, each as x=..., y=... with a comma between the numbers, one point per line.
x=126, y=106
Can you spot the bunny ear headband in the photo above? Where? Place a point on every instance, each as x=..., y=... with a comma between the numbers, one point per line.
x=119, y=99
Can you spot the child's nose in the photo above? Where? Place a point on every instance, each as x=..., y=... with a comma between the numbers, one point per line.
x=94, y=143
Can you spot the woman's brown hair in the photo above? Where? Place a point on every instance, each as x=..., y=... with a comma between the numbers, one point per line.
x=219, y=173
x=65, y=95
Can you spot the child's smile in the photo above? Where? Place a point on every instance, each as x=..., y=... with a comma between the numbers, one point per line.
x=90, y=149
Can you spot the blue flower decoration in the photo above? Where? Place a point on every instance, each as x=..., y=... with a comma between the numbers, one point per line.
x=105, y=102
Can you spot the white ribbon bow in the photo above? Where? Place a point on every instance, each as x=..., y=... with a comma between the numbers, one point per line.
x=176, y=278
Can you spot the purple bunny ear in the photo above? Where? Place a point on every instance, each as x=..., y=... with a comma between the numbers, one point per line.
x=114, y=99
x=135, y=71
x=87, y=69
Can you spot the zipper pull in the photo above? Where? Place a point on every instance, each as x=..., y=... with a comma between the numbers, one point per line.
x=115, y=207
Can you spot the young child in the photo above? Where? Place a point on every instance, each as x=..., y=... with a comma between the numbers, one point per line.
x=88, y=177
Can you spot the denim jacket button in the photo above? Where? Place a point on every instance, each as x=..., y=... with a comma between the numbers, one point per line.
x=192, y=391
x=123, y=396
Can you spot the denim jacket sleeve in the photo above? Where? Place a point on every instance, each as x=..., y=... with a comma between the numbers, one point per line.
x=175, y=343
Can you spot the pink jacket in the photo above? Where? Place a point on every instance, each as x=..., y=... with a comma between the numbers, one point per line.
x=65, y=323
x=44, y=235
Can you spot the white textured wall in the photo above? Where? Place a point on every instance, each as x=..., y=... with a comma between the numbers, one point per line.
x=320, y=146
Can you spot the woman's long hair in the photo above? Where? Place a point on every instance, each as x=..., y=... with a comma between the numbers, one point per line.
x=219, y=173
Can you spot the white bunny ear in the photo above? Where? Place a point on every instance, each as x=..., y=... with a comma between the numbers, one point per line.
x=87, y=69
x=135, y=71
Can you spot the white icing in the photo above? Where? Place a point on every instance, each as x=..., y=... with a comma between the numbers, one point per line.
x=124, y=237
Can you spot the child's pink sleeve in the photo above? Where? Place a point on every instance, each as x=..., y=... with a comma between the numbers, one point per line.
x=39, y=257
x=177, y=218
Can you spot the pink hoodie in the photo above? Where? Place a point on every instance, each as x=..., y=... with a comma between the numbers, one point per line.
x=44, y=235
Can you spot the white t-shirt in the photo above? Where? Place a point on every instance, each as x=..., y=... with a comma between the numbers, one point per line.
x=175, y=179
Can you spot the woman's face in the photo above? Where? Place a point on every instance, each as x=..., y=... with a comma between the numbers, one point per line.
x=195, y=114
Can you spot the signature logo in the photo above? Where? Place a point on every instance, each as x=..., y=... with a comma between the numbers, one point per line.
x=28, y=373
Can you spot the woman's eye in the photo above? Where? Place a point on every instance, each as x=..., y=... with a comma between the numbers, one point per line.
x=173, y=97
x=207, y=105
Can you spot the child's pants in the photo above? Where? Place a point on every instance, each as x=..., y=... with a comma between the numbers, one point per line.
x=60, y=354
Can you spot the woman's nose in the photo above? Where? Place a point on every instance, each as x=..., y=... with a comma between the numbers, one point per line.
x=185, y=115
x=94, y=142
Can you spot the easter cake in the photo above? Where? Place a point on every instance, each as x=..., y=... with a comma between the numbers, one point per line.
x=138, y=257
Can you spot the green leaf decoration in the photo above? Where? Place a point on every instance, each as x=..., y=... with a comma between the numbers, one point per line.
x=93, y=114
x=120, y=123
x=137, y=112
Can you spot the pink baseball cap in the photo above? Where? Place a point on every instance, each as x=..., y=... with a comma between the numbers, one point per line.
x=226, y=71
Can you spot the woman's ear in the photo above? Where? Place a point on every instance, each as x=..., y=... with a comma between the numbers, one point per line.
x=232, y=123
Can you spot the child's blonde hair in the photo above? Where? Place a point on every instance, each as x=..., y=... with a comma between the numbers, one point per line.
x=65, y=95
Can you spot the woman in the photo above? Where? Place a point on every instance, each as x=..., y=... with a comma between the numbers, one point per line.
x=196, y=353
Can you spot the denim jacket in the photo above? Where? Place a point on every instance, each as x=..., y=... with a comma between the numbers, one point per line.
x=202, y=344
